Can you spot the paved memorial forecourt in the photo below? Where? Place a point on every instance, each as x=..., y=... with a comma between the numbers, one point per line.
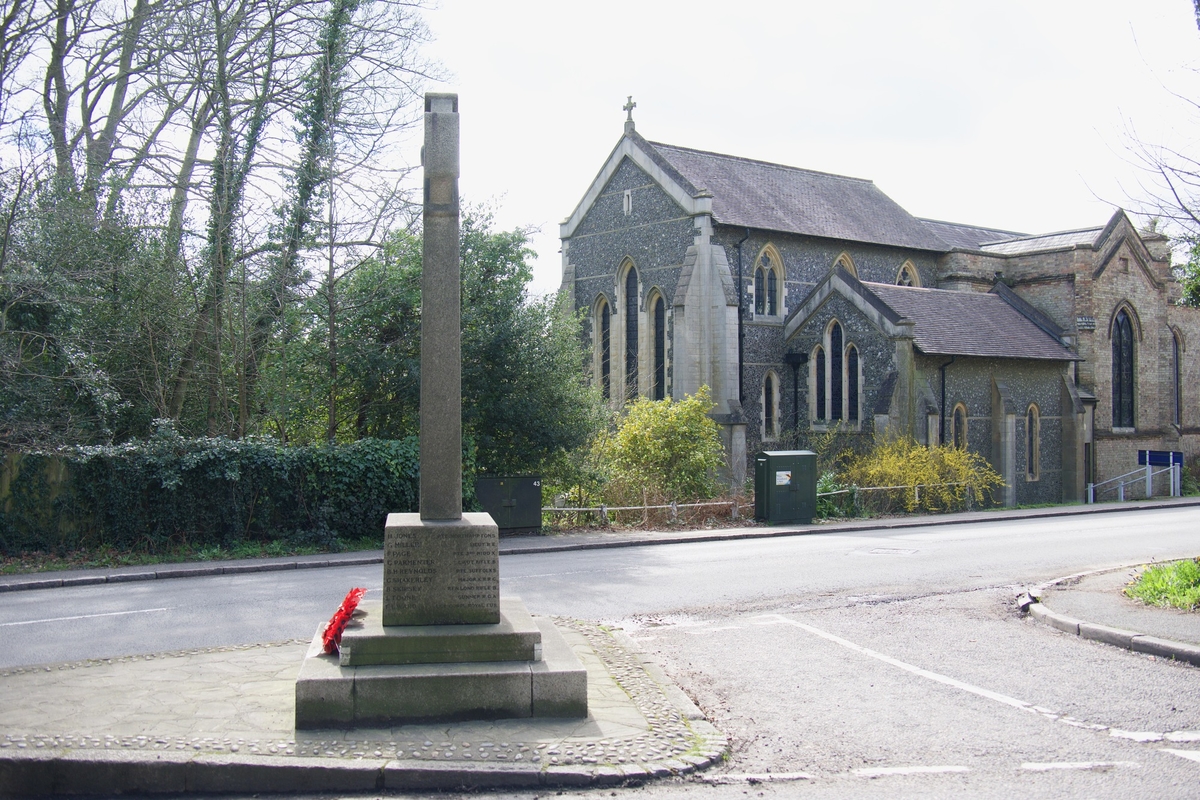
x=220, y=719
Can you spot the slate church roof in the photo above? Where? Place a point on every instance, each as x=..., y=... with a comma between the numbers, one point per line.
x=759, y=194
x=970, y=237
x=995, y=324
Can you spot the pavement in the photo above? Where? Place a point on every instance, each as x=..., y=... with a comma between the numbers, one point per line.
x=222, y=719
x=1091, y=605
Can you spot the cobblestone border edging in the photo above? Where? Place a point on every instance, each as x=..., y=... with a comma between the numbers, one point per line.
x=1030, y=602
x=680, y=740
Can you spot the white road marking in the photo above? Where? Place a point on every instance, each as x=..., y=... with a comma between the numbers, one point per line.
x=1137, y=736
x=714, y=630
x=83, y=616
x=776, y=619
x=1193, y=755
x=1101, y=765
x=760, y=777
x=882, y=771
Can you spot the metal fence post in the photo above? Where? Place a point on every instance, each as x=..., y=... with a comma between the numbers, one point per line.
x=1091, y=495
x=1149, y=479
x=603, y=516
x=1121, y=491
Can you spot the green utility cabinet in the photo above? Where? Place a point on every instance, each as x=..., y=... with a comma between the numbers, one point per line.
x=785, y=486
x=515, y=503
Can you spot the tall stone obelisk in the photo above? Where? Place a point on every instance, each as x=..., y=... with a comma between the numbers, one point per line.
x=441, y=316
x=443, y=647
x=441, y=566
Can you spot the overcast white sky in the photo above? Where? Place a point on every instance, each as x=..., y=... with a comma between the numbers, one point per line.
x=1013, y=115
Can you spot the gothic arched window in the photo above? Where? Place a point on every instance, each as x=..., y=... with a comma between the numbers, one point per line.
x=767, y=280
x=604, y=345
x=819, y=368
x=631, y=333
x=852, y=412
x=1033, y=443
x=1122, y=370
x=660, y=349
x=908, y=275
x=1177, y=376
x=958, y=429
x=836, y=371
x=770, y=405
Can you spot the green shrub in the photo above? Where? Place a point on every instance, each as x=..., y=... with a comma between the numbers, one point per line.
x=949, y=477
x=662, y=450
x=148, y=496
x=834, y=505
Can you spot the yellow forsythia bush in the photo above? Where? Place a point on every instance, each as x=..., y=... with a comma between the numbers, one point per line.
x=948, y=476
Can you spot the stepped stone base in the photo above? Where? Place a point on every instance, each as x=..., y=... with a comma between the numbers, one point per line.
x=515, y=638
x=330, y=695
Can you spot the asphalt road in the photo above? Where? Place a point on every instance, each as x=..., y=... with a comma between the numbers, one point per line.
x=852, y=665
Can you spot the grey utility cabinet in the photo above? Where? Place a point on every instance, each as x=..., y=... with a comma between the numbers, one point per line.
x=785, y=486
x=515, y=503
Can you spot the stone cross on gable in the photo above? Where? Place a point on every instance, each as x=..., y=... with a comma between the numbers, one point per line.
x=628, y=109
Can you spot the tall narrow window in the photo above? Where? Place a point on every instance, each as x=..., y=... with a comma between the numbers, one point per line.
x=631, y=333
x=1177, y=376
x=760, y=292
x=1033, y=436
x=959, y=427
x=770, y=411
x=772, y=293
x=852, y=384
x=605, y=320
x=660, y=348
x=1122, y=371
x=836, y=372
x=819, y=380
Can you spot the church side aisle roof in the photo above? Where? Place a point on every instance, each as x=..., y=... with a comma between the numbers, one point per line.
x=969, y=324
x=970, y=237
x=759, y=194
x=1046, y=242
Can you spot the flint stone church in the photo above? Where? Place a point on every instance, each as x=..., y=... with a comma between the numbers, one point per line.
x=806, y=301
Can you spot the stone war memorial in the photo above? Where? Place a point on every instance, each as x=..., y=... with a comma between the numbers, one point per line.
x=441, y=645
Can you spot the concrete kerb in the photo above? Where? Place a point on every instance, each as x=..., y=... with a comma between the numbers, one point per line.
x=554, y=545
x=1030, y=601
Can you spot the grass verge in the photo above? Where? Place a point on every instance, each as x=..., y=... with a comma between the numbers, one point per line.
x=1176, y=584
x=108, y=557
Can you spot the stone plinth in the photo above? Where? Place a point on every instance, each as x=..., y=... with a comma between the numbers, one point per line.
x=329, y=695
x=441, y=572
x=515, y=638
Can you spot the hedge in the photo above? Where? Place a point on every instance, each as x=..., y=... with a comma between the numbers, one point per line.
x=167, y=491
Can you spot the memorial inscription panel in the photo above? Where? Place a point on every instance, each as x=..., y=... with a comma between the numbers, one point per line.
x=439, y=572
